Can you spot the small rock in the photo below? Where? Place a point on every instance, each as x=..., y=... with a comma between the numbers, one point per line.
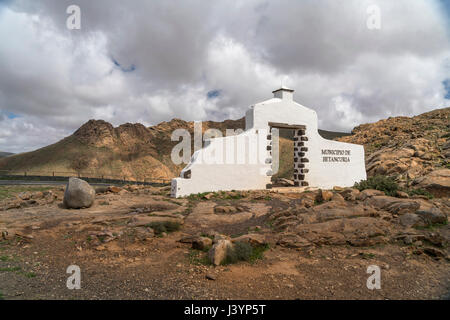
x=202, y=243
x=338, y=198
x=350, y=194
x=433, y=252
x=208, y=196
x=252, y=238
x=37, y=195
x=101, y=189
x=211, y=276
x=324, y=195
x=368, y=193
x=24, y=195
x=401, y=194
x=114, y=189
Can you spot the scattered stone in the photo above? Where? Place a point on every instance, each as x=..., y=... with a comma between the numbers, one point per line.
x=78, y=194
x=350, y=194
x=432, y=216
x=37, y=195
x=24, y=235
x=251, y=238
x=208, y=195
x=436, y=239
x=433, y=252
x=101, y=189
x=24, y=195
x=368, y=193
x=114, y=189
x=338, y=198
x=401, y=194
x=324, y=195
x=188, y=239
x=211, y=276
x=144, y=233
x=290, y=240
x=202, y=243
x=225, y=209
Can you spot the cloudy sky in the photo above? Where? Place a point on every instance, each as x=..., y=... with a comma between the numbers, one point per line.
x=151, y=61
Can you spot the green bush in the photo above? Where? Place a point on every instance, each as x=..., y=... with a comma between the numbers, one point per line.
x=243, y=251
x=420, y=192
x=382, y=183
x=164, y=226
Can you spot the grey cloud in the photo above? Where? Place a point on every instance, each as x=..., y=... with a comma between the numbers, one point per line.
x=56, y=79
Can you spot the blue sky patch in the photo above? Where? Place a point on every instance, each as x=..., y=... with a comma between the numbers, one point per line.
x=8, y=115
x=446, y=84
x=131, y=68
x=213, y=94
x=11, y=115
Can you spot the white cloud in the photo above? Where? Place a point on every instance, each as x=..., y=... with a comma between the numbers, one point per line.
x=54, y=79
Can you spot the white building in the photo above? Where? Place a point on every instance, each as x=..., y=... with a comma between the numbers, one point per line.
x=247, y=161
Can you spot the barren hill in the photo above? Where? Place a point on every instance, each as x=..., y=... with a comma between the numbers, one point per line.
x=404, y=147
x=130, y=151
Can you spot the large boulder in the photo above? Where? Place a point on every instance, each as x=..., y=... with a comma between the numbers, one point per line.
x=78, y=194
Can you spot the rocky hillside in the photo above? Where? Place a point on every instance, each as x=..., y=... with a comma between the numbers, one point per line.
x=416, y=150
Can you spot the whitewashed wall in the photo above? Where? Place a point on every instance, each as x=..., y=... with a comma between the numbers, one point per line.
x=210, y=171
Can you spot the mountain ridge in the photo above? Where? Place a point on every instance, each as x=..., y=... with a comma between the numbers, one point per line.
x=133, y=151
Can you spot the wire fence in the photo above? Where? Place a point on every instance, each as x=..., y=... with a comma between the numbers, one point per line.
x=88, y=176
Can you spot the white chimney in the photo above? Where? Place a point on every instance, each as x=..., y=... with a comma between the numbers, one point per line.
x=284, y=93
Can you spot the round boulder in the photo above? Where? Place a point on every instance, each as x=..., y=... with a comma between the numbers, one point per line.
x=78, y=194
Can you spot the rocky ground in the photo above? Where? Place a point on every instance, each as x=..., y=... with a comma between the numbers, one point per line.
x=138, y=243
